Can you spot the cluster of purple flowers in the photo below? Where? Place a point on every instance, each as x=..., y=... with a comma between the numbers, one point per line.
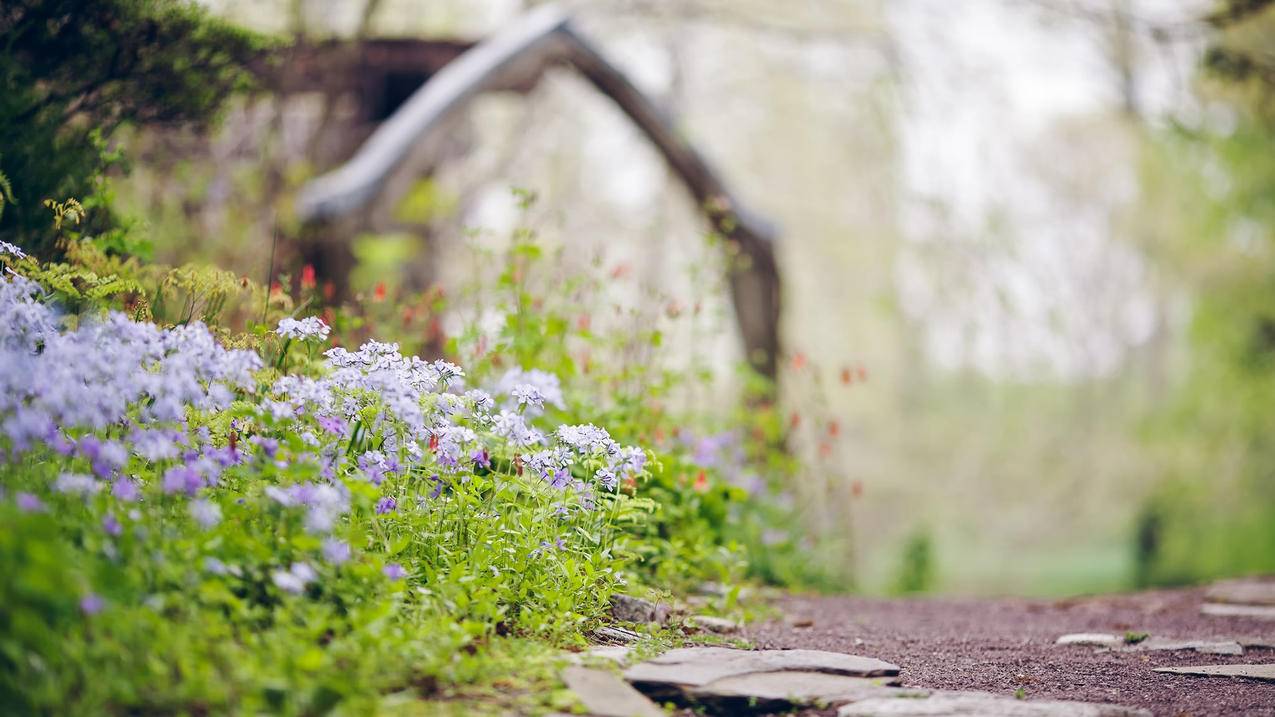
x=113, y=399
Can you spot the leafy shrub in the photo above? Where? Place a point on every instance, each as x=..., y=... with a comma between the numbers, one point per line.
x=72, y=72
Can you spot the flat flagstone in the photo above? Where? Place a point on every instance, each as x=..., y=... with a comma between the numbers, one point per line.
x=1207, y=647
x=1249, y=591
x=1261, y=612
x=714, y=624
x=780, y=691
x=1257, y=642
x=606, y=695
x=1091, y=639
x=697, y=666
x=678, y=673
x=1213, y=646
x=618, y=654
x=1254, y=672
x=982, y=704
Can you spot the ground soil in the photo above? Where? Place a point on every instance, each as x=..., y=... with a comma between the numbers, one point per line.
x=1002, y=645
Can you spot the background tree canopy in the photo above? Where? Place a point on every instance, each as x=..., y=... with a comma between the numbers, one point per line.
x=72, y=72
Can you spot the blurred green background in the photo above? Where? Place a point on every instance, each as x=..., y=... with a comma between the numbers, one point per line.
x=1027, y=249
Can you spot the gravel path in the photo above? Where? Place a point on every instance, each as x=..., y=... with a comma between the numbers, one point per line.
x=1002, y=645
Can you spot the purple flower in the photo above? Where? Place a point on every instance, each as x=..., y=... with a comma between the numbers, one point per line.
x=28, y=503
x=606, y=479
x=481, y=459
x=111, y=525
x=374, y=466
x=394, y=571
x=438, y=486
x=386, y=505
x=268, y=446
x=156, y=445
x=205, y=512
x=224, y=457
x=332, y=424
x=125, y=490
x=60, y=444
x=560, y=544
x=92, y=604
x=336, y=551
x=105, y=456
x=182, y=479
x=558, y=477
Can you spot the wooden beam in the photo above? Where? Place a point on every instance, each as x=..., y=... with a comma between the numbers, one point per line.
x=491, y=62
x=754, y=274
x=519, y=55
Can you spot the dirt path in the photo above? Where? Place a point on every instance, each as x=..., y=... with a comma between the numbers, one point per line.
x=1003, y=645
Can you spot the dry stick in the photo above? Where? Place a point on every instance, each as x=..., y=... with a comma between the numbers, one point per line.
x=274, y=241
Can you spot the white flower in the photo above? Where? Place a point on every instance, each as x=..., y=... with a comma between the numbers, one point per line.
x=76, y=483
x=311, y=328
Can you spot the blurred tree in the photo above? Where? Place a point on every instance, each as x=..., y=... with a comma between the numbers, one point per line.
x=72, y=72
x=1214, y=514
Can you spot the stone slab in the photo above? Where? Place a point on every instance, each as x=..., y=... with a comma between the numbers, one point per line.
x=1207, y=647
x=1252, y=672
x=606, y=695
x=697, y=666
x=1248, y=591
x=1212, y=646
x=1257, y=642
x=980, y=704
x=1219, y=609
x=714, y=624
x=779, y=691
x=1091, y=639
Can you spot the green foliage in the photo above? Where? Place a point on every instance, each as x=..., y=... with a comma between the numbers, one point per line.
x=916, y=565
x=1213, y=513
x=1133, y=638
x=493, y=591
x=72, y=72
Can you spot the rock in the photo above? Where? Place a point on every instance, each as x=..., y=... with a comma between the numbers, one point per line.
x=606, y=695
x=627, y=608
x=981, y=704
x=713, y=589
x=618, y=654
x=1259, y=643
x=1208, y=647
x=714, y=624
x=672, y=674
x=1254, y=672
x=1091, y=639
x=1248, y=591
x=1261, y=612
x=782, y=691
x=615, y=635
